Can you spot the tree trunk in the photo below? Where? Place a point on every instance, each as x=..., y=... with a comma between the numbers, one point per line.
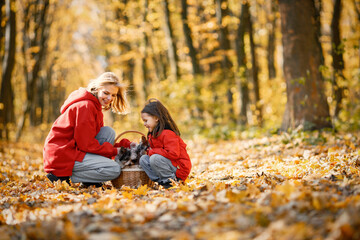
x=337, y=56
x=222, y=12
x=146, y=78
x=357, y=10
x=255, y=78
x=7, y=94
x=197, y=112
x=242, y=70
x=173, y=58
x=2, y=29
x=271, y=41
x=226, y=65
x=128, y=68
x=56, y=94
x=189, y=42
x=30, y=40
x=306, y=104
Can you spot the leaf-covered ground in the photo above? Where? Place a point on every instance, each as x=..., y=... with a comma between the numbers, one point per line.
x=300, y=186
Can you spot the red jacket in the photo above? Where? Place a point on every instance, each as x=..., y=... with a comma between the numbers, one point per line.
x=73, y=134
x=171, y=146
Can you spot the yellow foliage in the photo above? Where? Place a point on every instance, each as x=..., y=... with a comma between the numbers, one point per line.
x=221, y=198
x=142, y=190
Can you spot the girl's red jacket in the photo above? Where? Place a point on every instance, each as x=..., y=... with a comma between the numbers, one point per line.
x=73, y=134
x=171, y=146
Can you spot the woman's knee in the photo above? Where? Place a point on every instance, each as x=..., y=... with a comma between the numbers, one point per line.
x=108, y=131
x=106, y=134
x=115, y=171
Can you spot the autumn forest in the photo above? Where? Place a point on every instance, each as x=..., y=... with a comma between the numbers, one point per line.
x=266, y=95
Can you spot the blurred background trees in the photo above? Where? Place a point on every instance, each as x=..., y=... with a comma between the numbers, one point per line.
x=222, y=67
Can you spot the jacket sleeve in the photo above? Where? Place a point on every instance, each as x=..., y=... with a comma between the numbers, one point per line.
x=171, y=149
x=85, y=133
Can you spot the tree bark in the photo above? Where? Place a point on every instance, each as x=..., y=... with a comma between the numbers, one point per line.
x=173, y=58
x=145, y=43
x=222, y=12
x=271, y=41
x=337, y=57
x=7, y=95
x=306, y=103
x=30, y=40
x=255, y=70
x=242, y=69
x=357, y=10
x=189, y=42
x=128, y=68
x=2, y=29
x=226, y=65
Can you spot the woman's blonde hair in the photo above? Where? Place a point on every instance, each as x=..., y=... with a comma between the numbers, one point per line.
x=120, y=104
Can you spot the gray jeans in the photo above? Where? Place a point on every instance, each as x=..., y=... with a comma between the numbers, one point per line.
x=158, y=168
x=95, y=168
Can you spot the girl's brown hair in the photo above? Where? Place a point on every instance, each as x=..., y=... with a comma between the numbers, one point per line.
x=120, y=104
x=155, y=108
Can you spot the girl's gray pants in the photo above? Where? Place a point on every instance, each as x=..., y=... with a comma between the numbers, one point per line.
x=158, y=168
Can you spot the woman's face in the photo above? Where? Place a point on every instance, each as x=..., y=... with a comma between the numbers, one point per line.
x=107, y=94
x=150, y=121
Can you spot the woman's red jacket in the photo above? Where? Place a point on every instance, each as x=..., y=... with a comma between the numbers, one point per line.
x=73, y=134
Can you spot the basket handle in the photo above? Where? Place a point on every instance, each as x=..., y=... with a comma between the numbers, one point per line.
x=129, y=131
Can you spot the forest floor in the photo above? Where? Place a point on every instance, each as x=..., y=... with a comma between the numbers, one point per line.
x=289, y=186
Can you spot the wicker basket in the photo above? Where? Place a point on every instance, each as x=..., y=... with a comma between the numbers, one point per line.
x=133, y=175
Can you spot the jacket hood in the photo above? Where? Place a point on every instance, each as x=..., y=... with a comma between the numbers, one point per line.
x=79, y=95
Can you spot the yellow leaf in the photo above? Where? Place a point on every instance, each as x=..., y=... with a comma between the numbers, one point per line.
x=354, y=170
x=277, y=200
x=185, y=188
x=236, y=196
x=220, y=186
x=141, y=190
x=118, y=229
x=286, y=188
x=127, y=195
x=316, y=203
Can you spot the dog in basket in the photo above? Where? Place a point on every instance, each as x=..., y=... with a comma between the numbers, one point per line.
x=131, y=156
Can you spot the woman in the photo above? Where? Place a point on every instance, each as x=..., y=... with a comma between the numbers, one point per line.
x=78, y=145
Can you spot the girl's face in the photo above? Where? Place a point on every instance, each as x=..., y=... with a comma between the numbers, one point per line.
x=150, y=121
x=107, y=94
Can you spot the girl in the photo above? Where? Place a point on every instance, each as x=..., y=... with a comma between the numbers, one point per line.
x=78, y=145
x=167, y=157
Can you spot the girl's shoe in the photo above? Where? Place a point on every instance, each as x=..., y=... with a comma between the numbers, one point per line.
x=166, y=185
